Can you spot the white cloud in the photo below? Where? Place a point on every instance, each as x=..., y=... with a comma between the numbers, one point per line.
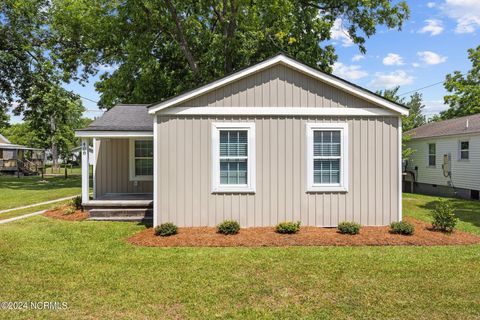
x=432, y=26
x=392, y=79
x=465, y=12
x=415, y=65
x=358, y=57
x=431, y=58
x=433, y=107
x=431, y=4
x=351, y=72
x=393, y=59
x=338, y=33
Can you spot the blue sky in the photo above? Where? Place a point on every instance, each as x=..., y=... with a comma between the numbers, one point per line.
x=433, y=42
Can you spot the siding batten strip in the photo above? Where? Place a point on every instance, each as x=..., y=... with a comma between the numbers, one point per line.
x=399, y=200
x=155, y=172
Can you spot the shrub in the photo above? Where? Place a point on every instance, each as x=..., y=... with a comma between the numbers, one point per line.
x=288, y=227
x=348, y=227
x=69, y=210
x=402, y=227
x=166, y=229
x=77, y=202
x=443, y=217
x=228, y=227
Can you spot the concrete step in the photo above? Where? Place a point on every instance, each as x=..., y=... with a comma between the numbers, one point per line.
x=124, y=219
x=121, y=212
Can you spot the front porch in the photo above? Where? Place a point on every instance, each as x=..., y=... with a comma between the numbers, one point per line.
x=121, y=207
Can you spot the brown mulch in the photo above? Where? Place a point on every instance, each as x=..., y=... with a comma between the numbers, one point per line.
x=308, y=236
x=59, y=214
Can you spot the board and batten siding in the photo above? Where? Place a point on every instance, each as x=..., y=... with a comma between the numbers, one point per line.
x=465, y=173
x=278, y=86
x=112, y=169
x=183, y=180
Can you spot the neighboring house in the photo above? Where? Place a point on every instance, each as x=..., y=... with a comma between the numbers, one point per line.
x=77, y=154
x=447, y=158
x=272, y=142
x=20, y=160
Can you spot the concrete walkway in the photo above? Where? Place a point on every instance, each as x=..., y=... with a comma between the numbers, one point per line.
x=37, y=204
x=22, y=217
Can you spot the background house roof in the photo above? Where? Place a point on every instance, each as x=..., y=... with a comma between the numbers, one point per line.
x=463, y=125
x=123, y=117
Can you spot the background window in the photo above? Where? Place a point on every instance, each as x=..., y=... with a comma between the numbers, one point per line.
x=141, y=160
x=432, y=154
x=464, y=150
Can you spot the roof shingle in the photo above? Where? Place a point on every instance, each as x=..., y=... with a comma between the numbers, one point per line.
x=463, y=125
x=123, y=117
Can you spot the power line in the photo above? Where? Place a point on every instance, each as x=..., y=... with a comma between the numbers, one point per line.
x=88, y=99
x=430, y=85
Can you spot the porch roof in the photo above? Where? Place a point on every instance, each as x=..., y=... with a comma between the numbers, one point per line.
x=121, y=119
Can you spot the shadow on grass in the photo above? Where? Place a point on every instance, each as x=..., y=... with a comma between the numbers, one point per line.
x=465, y=210
x=36, y=183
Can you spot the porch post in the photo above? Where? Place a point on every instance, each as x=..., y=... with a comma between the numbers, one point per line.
x=85, y=171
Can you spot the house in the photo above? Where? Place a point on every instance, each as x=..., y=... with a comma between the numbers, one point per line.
x=272, y=142
x=20, y=160
x=77, y=154
x=447, y=158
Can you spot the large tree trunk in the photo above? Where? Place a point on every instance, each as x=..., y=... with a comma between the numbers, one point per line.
x=54, y=157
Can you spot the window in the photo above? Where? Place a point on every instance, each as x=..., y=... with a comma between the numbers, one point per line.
x=233, y=156
x=464, y=150
x=432, y=155
x=327, y=156
x=141, y=159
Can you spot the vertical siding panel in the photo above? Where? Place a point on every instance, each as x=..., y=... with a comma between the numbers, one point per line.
x=266, y=88
x=274, y=87
x=386, y=171
x=260, y=195
x=356, y=192
x=364, y=172
x=303, y=172
x=393, y=172
x=281, y=86
x=281, y=170
x=164, y=141
x=297, y=193
x=174, y=148
x=295, y=90
x=288, y=170
x=266, y=172
x=378, y=172
x=204, y=191
x=371, y=172
x=196, y=175
x=288, y=88
x=273, y=165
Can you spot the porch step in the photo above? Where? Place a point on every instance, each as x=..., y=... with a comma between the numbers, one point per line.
x=116, y=204
x=121, y=213
x=125, y=219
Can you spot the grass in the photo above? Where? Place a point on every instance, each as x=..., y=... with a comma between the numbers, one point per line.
x=17, y=192
x=91, y=267
x=20, y=212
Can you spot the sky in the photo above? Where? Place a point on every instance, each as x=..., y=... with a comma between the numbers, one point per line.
x=431, y=44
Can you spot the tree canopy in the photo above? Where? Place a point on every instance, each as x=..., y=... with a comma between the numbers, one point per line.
x=464, y=99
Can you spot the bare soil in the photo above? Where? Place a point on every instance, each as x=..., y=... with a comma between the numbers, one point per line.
x=308, y=236
x=59, y=214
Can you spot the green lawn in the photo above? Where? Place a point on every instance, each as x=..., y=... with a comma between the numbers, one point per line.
x=17, y=192
x=91, y=267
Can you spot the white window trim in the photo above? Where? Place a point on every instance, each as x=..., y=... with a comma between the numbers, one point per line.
x=459, y=158
x=131, y=161
x=433, y=154
x=343, y=185
x=251, y=165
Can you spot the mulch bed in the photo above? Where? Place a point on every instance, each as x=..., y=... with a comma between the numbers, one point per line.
x=59, y=214
x=308, y=236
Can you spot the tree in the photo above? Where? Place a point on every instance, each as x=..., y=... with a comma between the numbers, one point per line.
x=23, y=134
x=159, y=48
x=465, y=89
x=414, y=119
x=23, y=40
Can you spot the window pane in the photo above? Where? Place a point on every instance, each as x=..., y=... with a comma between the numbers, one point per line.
x=233, y=143
x=144, y=148
x=431, y=148
x=326, y=171
x=143, y=167
x=326, y=143
x=464, y=155
x=464, y=145
x=431, y=160
x=233, y=171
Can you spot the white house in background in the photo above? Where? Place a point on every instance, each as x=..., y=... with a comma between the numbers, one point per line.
x=77, y=154
x=447, y=158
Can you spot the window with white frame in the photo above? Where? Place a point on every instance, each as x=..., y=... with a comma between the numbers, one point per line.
x=432, y=154
x=327, y=157
x=233, y=157
x=141, y=159
x=464, y=150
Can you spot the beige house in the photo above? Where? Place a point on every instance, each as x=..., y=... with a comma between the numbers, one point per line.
x=273, y=142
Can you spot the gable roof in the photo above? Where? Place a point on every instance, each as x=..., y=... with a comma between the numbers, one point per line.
x=123, y=117
x=457, y=126
x=292, y=63
x=3, y=139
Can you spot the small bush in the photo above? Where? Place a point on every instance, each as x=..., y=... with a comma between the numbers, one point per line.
x=443, y=217
x=228, y=227
x=288, y=227
x=69, y=210
x=402, y=227
x=348, y=227
x=166, y=229
x=77, y=202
